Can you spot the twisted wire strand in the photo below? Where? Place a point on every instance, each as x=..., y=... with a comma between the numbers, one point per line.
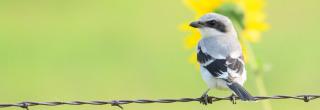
x=27, y=104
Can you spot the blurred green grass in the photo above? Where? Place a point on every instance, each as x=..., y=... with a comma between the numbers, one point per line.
x=58, y=50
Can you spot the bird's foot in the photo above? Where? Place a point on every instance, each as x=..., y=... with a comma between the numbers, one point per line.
x=205, y=99
x=233, y=98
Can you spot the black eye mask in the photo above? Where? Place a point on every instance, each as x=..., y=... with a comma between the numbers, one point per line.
x=216, y=25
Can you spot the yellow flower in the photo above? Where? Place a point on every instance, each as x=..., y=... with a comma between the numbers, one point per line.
x=202, y=6
x=246, y=14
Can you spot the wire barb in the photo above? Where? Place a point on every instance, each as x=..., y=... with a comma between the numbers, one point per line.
x=24, y=105
x=118, y=103
x=306, y=98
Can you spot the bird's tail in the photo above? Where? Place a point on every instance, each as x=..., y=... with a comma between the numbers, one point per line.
x=242, y=93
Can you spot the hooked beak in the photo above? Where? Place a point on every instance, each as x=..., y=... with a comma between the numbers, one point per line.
x=196, y=24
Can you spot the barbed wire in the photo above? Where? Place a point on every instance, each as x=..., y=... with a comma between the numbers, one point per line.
x=26, y=105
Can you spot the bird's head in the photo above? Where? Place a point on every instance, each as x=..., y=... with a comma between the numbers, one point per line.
x=213, y=24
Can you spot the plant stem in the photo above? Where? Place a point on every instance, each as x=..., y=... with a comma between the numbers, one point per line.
x=257, y=68
x=262, y=91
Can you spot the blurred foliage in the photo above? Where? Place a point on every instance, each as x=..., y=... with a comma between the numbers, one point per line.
x=110, y=49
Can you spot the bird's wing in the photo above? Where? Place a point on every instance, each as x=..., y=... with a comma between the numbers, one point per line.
x=226, y=68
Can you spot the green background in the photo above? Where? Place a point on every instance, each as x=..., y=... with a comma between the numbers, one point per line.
x=65, y=50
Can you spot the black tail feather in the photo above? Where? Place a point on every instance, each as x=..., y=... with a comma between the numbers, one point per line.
x=242, y=93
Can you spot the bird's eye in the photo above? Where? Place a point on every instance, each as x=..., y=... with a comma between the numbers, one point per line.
x=212, y=22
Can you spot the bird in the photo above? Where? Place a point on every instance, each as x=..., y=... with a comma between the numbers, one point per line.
x=219, y=54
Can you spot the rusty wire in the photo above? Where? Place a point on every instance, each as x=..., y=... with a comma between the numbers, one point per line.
x=27, y=104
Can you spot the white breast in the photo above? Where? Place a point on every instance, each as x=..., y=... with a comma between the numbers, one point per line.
x=211, y=81
x=215, y=83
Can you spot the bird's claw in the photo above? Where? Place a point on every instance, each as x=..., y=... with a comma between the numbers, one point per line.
x=233, y=99
x=205, y=99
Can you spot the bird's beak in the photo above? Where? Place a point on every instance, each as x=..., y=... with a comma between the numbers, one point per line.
x=196, y=24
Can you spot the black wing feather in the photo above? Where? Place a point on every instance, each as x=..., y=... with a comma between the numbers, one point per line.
x=203, y=57
x=219, y=66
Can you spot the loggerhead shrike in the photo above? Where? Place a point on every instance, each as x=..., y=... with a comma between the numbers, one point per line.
x=220, y=56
